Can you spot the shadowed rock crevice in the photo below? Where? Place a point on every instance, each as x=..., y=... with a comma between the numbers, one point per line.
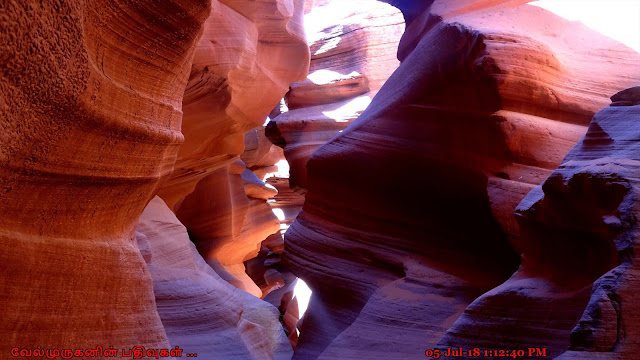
x=607, y=328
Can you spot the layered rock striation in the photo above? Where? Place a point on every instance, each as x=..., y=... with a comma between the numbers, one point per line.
x=248, y=55
x=486, y=103
x=92, y=97
x=200, y=311
x=574, y=286
x=603, y=167
x=353, y=52
x=228, y=217
x=90, y=115
x=427, y=222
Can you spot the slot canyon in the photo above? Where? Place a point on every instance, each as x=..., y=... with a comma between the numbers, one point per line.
x=319, y=179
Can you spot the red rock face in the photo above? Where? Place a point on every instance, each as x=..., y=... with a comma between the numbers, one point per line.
x=353, y=52
x=90, y=116
x=201, y=312
x=412, y=236
x=409, y=216
x=228, y=217
x=260, y=155
x=248, y=55
x=581, y=223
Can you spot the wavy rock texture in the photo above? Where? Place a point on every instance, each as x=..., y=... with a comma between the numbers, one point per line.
x=248, y=55
x=267, y=161
x=200, y=311
x=277, y=284
x=488, y=100
x=90, y=112
x=353, y=52
x=260, y=155
x=581, y=223
x=228, y=217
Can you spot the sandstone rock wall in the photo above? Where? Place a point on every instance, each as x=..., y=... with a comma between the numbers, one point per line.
x=575, y=287
x=353, y=52
x=92, y=97
x=409, y=216
x=228, y=217
x=248, y=55
x=200, y=311
x=90, y=115
x=408, y=237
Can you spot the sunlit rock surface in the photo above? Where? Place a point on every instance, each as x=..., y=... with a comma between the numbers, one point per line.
x=90, y=112
x=267, y=162
x=353, y=52
x=248, y=55
x=408, y=237
x=228, y=217
x=200, y=311
x=260, y=155
x=409, y=215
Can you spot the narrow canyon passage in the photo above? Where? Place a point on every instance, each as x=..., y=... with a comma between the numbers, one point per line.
x=319, y=179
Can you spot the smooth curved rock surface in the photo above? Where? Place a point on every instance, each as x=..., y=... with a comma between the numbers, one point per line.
x=228, y=217
x=487, y=102
x=353, y=52
x=588, y=211
x=248, y=55
x=260, y=155
x=90, y=115
x=200, y=311
x=577, y=226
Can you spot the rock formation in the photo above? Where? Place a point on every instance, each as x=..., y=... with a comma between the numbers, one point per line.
x=409, y=215
x=228, y=217
x=92, y=96
x=260, y=155
x=267, y=162
x=248, y=55
x=200, y=311
x=353, y=52
x=90, y=112
x=604, y=166
x=581, y=224
x=133, y=161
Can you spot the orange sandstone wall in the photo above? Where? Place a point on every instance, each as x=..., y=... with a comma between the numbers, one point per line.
x=90, y=117
x=353, y=52
x=249, y=54
x=200, y=311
